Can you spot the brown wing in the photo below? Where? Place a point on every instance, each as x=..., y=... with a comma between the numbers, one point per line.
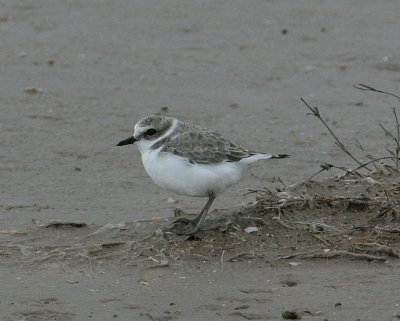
x=203, y=146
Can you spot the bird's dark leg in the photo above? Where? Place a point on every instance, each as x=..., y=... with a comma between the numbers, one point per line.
x=199, y=220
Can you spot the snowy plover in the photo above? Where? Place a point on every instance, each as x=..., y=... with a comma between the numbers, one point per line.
x=189, y=160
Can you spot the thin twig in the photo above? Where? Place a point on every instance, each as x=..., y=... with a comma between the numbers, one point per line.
x=251, y=191
x=327, y=166
x=237, y=256
x=397, y=138
x=388, y=230
x=196, y=256
x=397, y=125
x=315, y=112
x=281, y=181
x=388, y=133
x=320, y=171
x=320, y=238
x=333, y=254
x=291, y=256
x=368, y=88
x=384, y=212
x=358, y=144
x=374, y=160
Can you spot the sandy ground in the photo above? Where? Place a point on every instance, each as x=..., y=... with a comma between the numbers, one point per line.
x=76, y=75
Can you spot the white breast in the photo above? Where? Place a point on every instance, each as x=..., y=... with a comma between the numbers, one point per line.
x=177, y=174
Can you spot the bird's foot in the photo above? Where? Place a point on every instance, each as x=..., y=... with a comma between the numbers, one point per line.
x=185, y=221
x=185, y=227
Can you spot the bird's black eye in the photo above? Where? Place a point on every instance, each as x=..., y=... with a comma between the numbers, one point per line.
x=150, y=132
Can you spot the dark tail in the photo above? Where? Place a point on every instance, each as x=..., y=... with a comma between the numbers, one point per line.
x=280, y=156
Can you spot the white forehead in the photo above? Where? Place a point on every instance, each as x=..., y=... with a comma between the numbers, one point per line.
x=154, y=121
x=139, y=129
x=142, y=124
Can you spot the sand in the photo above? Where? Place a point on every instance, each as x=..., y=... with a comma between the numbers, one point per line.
x=76, y=75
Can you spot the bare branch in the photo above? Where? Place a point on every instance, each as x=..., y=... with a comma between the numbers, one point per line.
x=397, y=140
x=368, y=88
x=315, y=112
x=323, y=168
x=374, y=160
x=358, y=144
x=388, y=133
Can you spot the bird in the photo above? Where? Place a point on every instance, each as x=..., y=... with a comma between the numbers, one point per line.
x=190, y=160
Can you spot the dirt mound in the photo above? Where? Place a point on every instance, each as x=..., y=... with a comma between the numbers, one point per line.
x=351, y=216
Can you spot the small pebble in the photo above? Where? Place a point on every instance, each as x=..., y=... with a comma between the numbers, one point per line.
x=289, y=283
x=172, y=200
x=251, y=229
x=291, y=315
x=33, y=90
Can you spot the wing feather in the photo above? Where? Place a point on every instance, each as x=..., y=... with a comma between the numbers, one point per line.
x=202, y=146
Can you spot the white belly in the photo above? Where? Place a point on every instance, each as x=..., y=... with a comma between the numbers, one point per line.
x=180, y=176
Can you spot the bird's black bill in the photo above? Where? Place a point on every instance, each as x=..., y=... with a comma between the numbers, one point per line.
x=127, y=141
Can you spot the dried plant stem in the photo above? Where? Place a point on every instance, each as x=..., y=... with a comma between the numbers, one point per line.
x=395, y=138
x=327, y=166
x=333, y=254
x=369, y=88
x=320, y=238
x=315, y=112
x=398, y=129
x=315, y=174
x=239, y=255
x=358, y=144
x=376, y=159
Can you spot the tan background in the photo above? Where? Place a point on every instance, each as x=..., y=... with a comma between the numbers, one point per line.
x=239, y=67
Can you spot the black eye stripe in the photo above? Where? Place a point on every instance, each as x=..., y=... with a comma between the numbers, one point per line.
x=150, y=132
